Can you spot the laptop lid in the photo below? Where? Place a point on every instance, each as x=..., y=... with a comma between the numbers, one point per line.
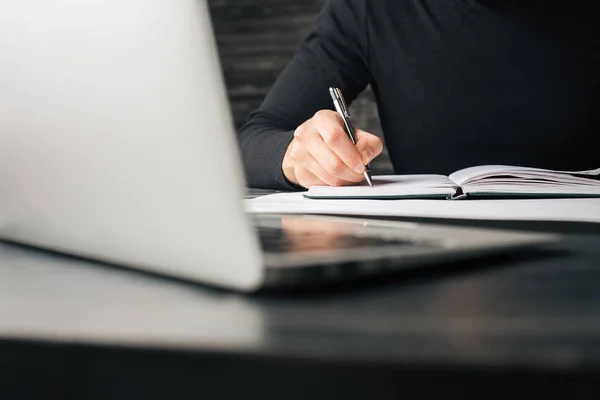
x=116, y=139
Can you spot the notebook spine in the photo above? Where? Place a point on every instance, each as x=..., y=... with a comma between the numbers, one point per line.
x=458, y=195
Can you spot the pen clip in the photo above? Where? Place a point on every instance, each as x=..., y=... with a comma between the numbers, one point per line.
x=343, y=103
x=337, y=96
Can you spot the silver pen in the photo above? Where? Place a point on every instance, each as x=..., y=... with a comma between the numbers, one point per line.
x=340, y=106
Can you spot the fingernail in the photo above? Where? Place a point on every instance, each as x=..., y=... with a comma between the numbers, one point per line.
x=367, y=154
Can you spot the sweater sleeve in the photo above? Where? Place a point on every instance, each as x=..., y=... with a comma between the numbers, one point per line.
x=333, y=54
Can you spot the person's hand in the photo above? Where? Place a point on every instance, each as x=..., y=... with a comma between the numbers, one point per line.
x=322, y=154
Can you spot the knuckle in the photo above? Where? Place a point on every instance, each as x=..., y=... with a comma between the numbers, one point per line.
x=322, y=114
x=332, y=137
x=299, y=134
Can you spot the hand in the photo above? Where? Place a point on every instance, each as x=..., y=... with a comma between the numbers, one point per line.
x=322, y=154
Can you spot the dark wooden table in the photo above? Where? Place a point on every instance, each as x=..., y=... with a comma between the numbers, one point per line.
x=521, y=325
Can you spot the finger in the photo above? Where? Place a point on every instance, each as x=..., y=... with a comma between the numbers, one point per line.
x=331, y=128
x=305, y=160
x=330, y=161
x=307, y=179
x=369, y=145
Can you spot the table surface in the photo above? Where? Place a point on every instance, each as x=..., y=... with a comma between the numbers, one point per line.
x=536, y=309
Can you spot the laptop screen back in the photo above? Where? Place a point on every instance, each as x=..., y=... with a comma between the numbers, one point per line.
x=116, y=140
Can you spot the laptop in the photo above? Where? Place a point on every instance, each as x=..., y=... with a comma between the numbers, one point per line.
x=117, y=144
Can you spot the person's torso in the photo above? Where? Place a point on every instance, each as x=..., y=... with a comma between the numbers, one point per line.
x=462, y=83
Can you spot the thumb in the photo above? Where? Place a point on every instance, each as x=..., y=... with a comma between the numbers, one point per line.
x=369, y=145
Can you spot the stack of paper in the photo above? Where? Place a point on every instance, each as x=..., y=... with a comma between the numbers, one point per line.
x=583, y=210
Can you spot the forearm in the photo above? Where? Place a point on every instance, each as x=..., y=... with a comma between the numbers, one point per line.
x=332, y=55
x=263, y=142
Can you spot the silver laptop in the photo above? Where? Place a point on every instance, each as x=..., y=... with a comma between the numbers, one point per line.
x=117, y=144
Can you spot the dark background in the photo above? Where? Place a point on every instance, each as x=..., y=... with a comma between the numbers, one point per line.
x=256, y=39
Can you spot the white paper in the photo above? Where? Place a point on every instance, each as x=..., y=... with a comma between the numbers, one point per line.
x=487, y=179
x=489, y=172
x=582, y=210
x=390, y=186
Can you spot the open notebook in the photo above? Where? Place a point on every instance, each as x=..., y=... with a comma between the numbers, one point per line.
x=482, y=181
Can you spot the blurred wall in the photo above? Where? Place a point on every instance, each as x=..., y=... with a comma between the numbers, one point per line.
x=256, y=39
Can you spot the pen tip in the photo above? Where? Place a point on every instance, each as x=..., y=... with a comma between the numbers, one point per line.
x=368, y=178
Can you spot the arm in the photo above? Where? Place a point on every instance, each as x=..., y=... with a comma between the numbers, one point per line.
x=334, y=54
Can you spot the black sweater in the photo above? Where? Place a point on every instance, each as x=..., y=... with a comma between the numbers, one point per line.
x=458, y=83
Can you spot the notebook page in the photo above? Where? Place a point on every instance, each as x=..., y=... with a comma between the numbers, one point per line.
x=489, y=172
x=389, y=187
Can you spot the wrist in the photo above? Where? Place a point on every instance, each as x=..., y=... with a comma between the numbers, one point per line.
x=287, y=166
